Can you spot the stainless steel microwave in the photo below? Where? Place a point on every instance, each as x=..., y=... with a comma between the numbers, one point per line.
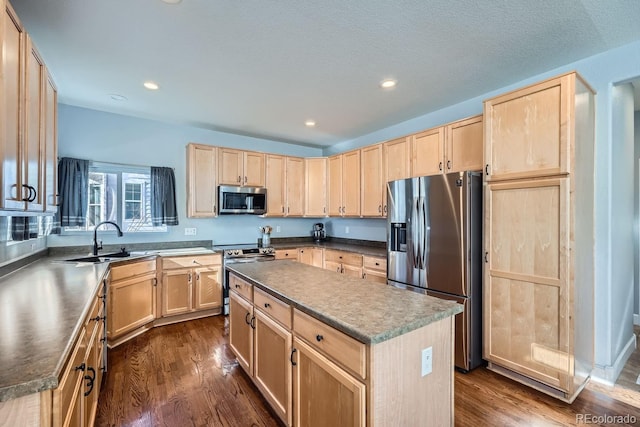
x=242, y=200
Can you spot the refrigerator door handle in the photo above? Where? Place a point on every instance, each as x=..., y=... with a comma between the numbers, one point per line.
x=415, y=233
x=425, y=231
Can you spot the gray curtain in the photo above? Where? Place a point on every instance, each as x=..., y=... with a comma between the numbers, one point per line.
x=73, y=185
x=163, y=197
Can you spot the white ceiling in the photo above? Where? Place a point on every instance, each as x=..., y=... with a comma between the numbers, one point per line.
x=262, y=67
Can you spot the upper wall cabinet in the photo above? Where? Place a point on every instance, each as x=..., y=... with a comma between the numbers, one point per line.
x=427, y=152
x=397, y=159
x=315, y=202
x=29, y=147
x=344, y=184
x=201, y=181
x=238, y=167
x=372, y=181
x=295, y=186
x=275, y=183
x=529, y=133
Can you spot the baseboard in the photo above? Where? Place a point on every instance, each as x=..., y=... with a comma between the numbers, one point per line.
x=636, y=319
x=609, y=374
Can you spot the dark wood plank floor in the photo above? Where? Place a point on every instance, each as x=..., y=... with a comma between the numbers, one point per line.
x=185, y=375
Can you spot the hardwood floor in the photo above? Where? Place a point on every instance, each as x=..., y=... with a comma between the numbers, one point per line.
x=185, y=375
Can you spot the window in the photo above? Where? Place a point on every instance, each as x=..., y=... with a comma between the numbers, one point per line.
x=121, y=194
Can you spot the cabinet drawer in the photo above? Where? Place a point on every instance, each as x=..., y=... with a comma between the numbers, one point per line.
x=375, y=263
x=343, y=257
x=190, y=261
x=287, y=254
x=277, y=309
x=241, y=286
x=340, y=347
x=69, y=382
x=130, y=270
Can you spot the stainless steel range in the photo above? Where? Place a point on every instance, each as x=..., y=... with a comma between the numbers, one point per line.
x=233, y=254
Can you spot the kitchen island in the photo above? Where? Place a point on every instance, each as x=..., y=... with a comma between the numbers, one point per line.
x=346, y=350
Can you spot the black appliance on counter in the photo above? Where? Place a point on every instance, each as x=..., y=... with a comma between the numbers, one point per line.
x=237, y=253
x=319, y=233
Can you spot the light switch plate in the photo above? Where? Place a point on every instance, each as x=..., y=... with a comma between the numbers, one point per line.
x=189, y=231
x=427, y=361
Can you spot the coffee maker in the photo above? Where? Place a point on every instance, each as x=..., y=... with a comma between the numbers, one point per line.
x=319, y=233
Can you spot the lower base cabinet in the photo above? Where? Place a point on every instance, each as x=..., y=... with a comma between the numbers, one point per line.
x=324, y=394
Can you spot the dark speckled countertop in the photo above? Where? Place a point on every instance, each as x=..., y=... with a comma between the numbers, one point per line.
x=367, y=311
x=373, y=249
x=42, y=306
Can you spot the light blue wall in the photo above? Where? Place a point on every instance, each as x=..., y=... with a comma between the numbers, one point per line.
x=636, y=222
x=106, y=137
x=602, y=71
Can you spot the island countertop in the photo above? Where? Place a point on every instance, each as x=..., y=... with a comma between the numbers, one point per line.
x=367, y=311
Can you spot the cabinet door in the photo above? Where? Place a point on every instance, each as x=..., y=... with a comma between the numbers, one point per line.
x=333, y=266
x=372, y=179
x=374, y=276
x=526, y=299
x=33, y=140
x=230, y=166
x=177, y=291
x=254, y=169
x=315, y=194
x=208, y=289
x=275, y=182
x=353, y=271
x=240, y=331
x=132, y=303
x=397, y=159
x=427, y=152
x=334, y=186
x=13, y=92
x=201, y=181
x=50, y=146
x=464, y=145
x=272, y=364
x=317, y=257
x=351, y=183
x=295, y=186
x=90, y=385
x=305, y=256
x=528, y=130
x=324, y=394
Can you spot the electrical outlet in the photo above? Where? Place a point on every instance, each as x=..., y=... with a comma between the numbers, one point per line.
x=427, y=361
x=277, y=228
x=190, y=231
x=346, y=230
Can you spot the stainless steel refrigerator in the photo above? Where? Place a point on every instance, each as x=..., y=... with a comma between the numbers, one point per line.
x=434, y=241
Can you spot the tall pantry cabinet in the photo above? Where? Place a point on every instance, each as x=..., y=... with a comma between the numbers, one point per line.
x=539, y=238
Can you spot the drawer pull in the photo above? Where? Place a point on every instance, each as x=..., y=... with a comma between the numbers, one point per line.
x=246, y=319
x=97, y=318
x=293, y=350
x=319, y=337
x=91, y=380
x=237, y=286
x=377, y=263
x=267, y=305
x=82, y=367
x=253, y=322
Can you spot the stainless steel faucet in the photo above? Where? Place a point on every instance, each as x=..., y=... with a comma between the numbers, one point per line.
x=96, y=246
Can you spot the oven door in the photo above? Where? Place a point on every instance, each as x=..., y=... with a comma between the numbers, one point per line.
x=228, y=261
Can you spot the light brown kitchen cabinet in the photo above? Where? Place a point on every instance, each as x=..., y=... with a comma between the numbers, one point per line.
x=427, y=152
x=241, y=330
x=132, y=299
x=464, y=148
x=28, y=145
x=539, y=239
x=295, y=186
x=201, y=181
x=344, y=184
x=50, y=145
x=372, y=181
x=347, y=263
x=397, y=159
x=191, y=283
x=243, y=168
x=374, y=269
x=311, y=256
x=287, y=254
x=276, y=185
x=315, y=193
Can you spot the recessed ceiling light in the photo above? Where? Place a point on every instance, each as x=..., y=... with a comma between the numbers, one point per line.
x=310, y=123
x=151, y=85
x=172, y=1
x=117, y=97
x=388, y=83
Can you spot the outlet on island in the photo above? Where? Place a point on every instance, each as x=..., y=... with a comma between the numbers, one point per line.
x=190, y=231
x=277, y=228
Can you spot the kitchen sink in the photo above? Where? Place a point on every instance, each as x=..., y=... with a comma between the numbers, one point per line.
x=100, y=258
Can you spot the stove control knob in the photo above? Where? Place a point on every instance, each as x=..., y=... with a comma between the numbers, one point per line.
x=236, y=252
x=269, y=250
x=228, y=252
